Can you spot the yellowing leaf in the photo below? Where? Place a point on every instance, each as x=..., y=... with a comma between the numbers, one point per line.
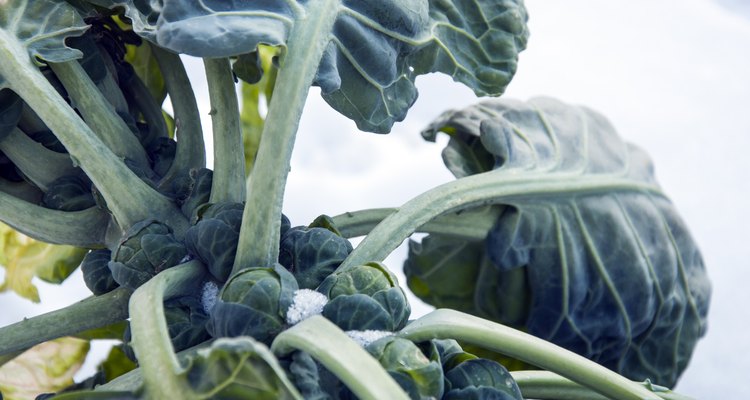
x=47, y=367
x=24, y=258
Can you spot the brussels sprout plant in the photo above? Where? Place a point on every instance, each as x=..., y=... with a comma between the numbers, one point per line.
x=559, y=267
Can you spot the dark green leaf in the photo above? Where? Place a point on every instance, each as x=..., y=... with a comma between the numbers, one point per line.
x=611, y=272
x=253, y=303
x=238, y=368
x=375, y=50
x=421, y=377
x=311, y=254
x=96, y=273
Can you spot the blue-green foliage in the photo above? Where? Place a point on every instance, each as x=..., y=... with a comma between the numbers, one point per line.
x=611, y=273
x=186, y=321
x=96, y=273
x=213, y=240
x=254, y=303
x=69, y=193
x=419, y=376
x=374, y=53
x=146, y=249
x=311, y=254
x=366, y=297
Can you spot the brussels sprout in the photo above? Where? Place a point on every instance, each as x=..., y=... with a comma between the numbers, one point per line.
x=213, y=240
x=254, y=303
x=237, y=368
x=69, y=193
x=470, y=377
x=313, y=380
x=96, y=273
x=366, y=297
x=161, y=153
x=147, y=248
x=419, y=376
x=192, y=190
x=311, y=254
x=186, y=321
x=480, y=378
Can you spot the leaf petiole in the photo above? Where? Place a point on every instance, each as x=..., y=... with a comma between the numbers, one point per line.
x=444, y=324
x=330, y=346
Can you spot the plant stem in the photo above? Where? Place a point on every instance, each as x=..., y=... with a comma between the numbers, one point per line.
x=261, y=220
x=90, y=313
x=98, y=112
x=86, y=228
x=346, y=359
x=151, y=341
x=494, y=187
x=229, y=158
x=545, y=385
x=460, y=225
x=191, y=151
x=26, y=153
x=444, y=324
x=124, y=192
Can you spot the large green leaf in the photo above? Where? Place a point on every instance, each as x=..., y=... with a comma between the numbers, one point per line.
x=375, y=50
x=24, y=258
x=44, y=368
x=608, y=268
x=41, y=27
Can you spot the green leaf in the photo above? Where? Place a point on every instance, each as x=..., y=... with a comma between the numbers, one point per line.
x=374, y=52
x=24, y=258
x=116, y=364
x=611, y=271
x=41, y=38
x=238, y=368
x=418, y=375
x=47, y=367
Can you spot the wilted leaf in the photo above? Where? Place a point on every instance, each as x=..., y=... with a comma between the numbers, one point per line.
x=24, y=258
x=48, y=367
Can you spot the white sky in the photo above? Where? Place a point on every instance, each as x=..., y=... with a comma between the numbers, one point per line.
x=674, y=78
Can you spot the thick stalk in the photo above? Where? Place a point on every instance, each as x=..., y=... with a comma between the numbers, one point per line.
x=460, y=225
x=86, y=228
x=99, y=113
x=124, y=192
x=450, y=324
x=151, y=341
x=261, y=220
x=545, y=385
x=26, y=154
x=229, y=161
x=494, y=187
x=346, y=359
x=93, y=312
x=191, y=151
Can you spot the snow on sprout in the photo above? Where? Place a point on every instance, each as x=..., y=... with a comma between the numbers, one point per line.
x=306, y=303
x=209, y=295
x=364, y=338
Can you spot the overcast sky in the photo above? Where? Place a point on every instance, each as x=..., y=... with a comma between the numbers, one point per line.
x=674, y=78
